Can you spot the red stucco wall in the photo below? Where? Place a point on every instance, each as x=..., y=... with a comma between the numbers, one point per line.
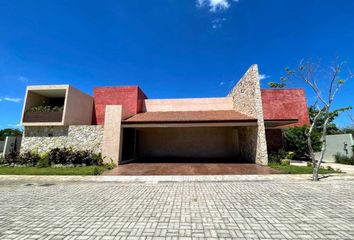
x=131, y=98
x=285, y=104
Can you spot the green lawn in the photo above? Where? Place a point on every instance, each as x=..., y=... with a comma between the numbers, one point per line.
x=88, y=170
x=290, y=169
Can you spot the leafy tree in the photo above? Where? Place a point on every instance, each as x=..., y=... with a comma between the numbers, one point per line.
x=296, y=141
x=9, y=132
x=346, y=130
x=331, y=126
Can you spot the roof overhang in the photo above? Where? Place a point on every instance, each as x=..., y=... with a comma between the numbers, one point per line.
x=189, y=119
x=272, y=123
x=189, y=124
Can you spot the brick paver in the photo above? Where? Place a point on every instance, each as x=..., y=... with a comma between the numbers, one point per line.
x=178, y=210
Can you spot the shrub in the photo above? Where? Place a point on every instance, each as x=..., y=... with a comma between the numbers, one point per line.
x=295, y=140
x=29, y=158
x=55, y=157
x=43, y=161
x=276, y=157
x=343, y=159
x=97, y=159
x=97, y=171
x=110, y=165
x=46, y=109
x=11, y=158
x=285, y=162
x=66, y=156
x=25, y=159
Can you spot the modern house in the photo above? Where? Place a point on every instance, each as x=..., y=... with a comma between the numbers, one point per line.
x=123, y=124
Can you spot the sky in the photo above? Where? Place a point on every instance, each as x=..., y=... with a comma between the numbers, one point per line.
x=170, y=48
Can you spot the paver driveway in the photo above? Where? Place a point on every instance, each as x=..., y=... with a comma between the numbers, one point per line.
x=179, y=210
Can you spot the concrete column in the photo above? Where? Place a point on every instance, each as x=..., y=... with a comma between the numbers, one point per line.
x=112, y=134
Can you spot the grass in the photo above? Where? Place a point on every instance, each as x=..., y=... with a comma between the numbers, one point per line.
x=88, y=170
x=290, y=169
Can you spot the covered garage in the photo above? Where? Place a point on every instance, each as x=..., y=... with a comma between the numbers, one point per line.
x=191, y=136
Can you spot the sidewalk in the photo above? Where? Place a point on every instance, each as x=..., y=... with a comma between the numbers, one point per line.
x=8, y=179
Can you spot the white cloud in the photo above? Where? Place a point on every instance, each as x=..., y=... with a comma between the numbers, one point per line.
x=217, y=23
x=14, y=125
x=263, y=76
x=23, y=79
x=10, y=99
x=215, y=5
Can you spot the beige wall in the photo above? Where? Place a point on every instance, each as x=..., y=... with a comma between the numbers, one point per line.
x=188, y=104
x=78, y=106
x=188, y=142
x=78, y=109
x=112, y=134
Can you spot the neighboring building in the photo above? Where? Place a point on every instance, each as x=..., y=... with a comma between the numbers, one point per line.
x=339, y=143
x=9, y=145
x=123, y=124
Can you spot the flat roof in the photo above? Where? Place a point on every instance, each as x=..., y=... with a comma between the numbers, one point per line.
x=189, y=117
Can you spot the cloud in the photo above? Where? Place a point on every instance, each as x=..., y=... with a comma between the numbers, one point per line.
x=217, y=23
x=226, y=83
x=215, y=5
x=263, y=76
x=14, y=125
x=10, y=99
x=23, y=79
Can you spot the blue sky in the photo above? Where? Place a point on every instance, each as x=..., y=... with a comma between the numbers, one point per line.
x=170, y=48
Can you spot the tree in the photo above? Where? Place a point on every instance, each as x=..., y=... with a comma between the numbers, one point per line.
x=325, y=86
x=295, y=140
x=7, y=132
x=331, y=126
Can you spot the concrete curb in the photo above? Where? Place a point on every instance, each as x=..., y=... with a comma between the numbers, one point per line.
x=6, y=179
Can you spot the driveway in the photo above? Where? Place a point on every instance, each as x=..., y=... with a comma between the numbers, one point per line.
x=144, y=169
x=265, y=209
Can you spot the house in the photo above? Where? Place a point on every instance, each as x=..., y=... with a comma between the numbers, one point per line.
x=123, y=124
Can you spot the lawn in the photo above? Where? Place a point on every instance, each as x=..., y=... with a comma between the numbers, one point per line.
x=290, y=169
x=88, y=170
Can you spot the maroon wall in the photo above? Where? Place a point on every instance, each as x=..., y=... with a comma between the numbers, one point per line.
x=131, y=98
x=274, y=139
x=285, y=104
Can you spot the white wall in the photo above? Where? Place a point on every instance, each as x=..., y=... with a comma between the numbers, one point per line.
x=336, y=144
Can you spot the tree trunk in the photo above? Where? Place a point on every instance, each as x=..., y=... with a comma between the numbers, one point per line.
x=316, y=169
x=315, y=173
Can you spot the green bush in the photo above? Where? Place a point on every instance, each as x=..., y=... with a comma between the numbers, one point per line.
x=43, y=162
x=343, y=159
x=276, y=157
x=25, y=159
x=97, y=171
x=295, y=140
x=57, y=156
x=67, y=156
x=46, y=109
x=29, y=158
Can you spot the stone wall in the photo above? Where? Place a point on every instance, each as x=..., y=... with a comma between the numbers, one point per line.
x=79, y=137
x=248, y=100
x=248, y=143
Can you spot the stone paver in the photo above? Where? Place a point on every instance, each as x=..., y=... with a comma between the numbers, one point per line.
x=270, y=209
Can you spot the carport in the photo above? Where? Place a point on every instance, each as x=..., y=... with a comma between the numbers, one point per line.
x=189, y=137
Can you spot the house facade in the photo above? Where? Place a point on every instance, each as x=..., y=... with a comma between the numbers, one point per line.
x=124, y=125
